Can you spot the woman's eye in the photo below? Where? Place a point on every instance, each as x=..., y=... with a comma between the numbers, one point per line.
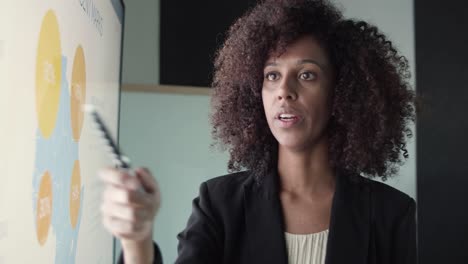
x=271, y=76
x=307, y=76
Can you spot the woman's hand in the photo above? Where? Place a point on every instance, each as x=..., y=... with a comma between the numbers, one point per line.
x=129, y=206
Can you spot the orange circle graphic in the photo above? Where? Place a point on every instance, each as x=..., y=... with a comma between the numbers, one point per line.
x=78, y=92
x=75, y=194
x=44, y=208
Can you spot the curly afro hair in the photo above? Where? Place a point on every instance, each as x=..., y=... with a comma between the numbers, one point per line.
x=373, y=104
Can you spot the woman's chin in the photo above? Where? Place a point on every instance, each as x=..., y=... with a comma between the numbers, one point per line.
x=291, y=143
x=297, y=142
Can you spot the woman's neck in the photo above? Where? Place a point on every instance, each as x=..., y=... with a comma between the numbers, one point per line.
x=306, y=172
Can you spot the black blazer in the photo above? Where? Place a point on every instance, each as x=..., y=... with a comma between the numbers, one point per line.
x=235, y=220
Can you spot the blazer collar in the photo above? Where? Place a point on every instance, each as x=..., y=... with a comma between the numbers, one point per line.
x=348, y=236
x=264, y=221
x=348, y=239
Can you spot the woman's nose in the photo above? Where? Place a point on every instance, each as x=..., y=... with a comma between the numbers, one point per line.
x=287, y=90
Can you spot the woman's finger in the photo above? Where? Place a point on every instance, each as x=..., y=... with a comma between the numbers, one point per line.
x=147, y=180
x=119, y=178
x=120, y=227
x=151, y=187
x=125, y=212
x=116, y=194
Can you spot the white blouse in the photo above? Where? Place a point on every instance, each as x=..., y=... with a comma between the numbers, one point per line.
x=308, y=248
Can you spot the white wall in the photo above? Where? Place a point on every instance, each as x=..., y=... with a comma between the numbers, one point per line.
x=171, y=133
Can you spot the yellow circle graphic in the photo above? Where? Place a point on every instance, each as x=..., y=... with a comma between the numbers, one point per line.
x=75, y=193
x=78, y=92
x=48, y=74
x=44, y=208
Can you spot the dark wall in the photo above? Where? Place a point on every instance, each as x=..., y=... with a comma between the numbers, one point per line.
x=191, y=32
x=442, y=130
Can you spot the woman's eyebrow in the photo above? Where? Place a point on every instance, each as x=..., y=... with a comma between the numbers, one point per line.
x=300, y=62
x=271, y=64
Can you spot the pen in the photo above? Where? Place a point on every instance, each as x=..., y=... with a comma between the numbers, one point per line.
x=118, y=159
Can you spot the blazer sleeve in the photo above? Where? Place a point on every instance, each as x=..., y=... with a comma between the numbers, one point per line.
x=405, y=248
x=201, y=241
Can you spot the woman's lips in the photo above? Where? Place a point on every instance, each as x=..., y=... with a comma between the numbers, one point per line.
x=287, y=122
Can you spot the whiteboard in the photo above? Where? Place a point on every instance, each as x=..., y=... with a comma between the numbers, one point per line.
x=55, y=55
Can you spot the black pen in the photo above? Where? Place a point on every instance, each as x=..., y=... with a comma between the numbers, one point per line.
x=118, y=159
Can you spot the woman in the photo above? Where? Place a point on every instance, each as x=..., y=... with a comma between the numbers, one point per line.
x=307, y=102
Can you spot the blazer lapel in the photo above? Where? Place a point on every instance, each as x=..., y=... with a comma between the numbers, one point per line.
x=264, y=222
x=348, y=237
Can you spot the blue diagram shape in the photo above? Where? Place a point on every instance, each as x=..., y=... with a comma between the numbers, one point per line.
x=57, y=155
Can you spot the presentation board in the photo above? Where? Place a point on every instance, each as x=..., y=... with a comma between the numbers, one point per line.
x=55, y=56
